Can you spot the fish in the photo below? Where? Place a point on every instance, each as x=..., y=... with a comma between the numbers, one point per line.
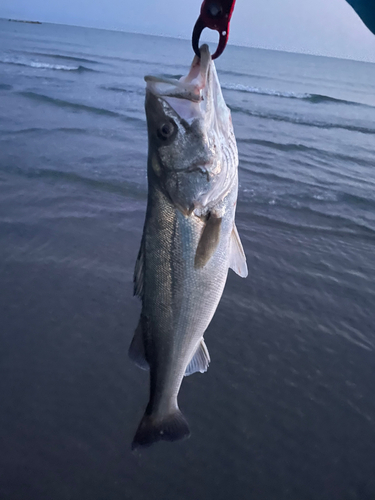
x=189, y=239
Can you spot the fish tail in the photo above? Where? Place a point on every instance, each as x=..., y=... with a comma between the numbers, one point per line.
x=170, y=428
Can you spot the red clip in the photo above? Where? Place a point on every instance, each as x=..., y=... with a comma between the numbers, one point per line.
x=216, y=15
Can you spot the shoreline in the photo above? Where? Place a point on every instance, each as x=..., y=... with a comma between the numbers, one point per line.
x=22, y=21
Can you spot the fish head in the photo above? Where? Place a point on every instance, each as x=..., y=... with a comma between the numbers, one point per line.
x=192, y=148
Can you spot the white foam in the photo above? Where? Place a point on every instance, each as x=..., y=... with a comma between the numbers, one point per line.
x=38, y=64
x=257, y=90
x=53, y=66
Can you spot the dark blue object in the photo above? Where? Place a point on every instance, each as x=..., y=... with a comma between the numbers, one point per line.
x=366, y=11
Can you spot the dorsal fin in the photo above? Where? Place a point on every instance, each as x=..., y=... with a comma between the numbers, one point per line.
x=200, y=361
x=137, y=351
x=208, y=242
x=138, y=277
x=237, y=257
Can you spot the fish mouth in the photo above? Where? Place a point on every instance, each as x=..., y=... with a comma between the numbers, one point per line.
x=193, y=87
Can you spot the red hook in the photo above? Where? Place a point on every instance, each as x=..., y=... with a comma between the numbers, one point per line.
x=216, y=15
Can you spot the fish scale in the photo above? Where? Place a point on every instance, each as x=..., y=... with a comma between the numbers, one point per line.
x=189, y=240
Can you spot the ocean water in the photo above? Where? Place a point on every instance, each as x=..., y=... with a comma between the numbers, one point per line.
x=286, y=410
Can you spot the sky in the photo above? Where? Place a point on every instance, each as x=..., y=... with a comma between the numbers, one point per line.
x=323, y=27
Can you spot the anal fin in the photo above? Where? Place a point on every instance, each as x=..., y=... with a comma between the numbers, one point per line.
x=237, y=257
x=200, y=361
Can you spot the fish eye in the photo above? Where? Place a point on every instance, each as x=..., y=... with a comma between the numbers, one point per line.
x=166, y=130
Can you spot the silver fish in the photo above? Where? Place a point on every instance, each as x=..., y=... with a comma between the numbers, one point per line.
x=189, y=239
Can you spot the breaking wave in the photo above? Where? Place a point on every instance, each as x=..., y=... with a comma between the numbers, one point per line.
x=313, y=98
x=256, y=90
x=43, y=65
x=64, y=57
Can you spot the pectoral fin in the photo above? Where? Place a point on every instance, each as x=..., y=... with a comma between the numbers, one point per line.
x=200, y=361
x=237, y=258
x=208, y=242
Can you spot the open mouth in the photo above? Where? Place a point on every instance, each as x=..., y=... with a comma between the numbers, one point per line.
x=190, y=87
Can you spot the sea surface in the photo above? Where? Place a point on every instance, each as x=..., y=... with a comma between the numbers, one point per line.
x=286, y=410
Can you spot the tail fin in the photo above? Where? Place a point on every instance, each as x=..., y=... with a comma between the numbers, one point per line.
x=172, y=428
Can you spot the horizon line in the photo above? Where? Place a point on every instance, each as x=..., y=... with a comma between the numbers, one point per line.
x=121, y=30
